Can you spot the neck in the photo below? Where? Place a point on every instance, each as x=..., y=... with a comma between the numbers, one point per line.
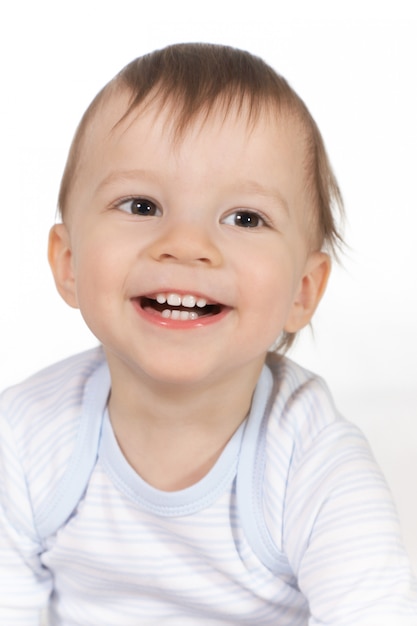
x=172, y=434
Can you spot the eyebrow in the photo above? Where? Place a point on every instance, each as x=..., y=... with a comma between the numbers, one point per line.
x=127, y=175
x=253, y=187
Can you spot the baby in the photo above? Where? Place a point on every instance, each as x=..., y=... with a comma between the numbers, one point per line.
x=185, y=471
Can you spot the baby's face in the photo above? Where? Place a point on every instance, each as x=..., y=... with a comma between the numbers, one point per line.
x=188, y=258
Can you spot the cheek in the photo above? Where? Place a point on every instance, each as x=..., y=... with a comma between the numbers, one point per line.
x=268, y=287
x=97, y=268
x=270, y=278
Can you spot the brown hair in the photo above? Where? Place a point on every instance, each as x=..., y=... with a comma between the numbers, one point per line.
x=194, y=78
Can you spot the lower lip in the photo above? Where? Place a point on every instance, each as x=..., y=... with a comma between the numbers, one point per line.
x=156, y=318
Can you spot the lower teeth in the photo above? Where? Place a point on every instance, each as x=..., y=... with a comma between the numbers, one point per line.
x=175, y=314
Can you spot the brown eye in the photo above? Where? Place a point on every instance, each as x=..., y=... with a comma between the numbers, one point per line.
x=247, y=220
x=244, y=219
x=139, y=206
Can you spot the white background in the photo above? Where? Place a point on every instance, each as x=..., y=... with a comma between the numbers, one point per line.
x=354, y=63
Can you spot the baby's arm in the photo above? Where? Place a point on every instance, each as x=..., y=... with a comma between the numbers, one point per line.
x=24, y=584
x=344, y=537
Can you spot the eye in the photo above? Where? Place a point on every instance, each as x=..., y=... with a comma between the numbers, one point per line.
x=244, y=219
x=139, y=206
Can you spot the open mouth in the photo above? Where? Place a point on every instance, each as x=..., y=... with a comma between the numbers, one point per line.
x=179, y=307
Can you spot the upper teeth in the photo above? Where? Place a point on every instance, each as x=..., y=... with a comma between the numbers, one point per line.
x=174, y=299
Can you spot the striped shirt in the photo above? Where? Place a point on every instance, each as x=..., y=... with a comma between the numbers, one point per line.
x=293, y=526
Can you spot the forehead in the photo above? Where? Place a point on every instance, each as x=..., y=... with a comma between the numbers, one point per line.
x=114, y=118
x=118, y=139
x=114, y=122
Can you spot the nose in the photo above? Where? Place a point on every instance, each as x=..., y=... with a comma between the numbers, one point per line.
x=189, y=243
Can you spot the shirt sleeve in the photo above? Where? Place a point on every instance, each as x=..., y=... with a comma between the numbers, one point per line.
x=25, y=584
x=343, y=537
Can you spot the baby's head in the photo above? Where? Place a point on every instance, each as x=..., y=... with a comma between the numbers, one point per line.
x=190, y=83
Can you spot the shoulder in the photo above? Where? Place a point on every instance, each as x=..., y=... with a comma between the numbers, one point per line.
x=304, y=421
x=301, y=406
x=308, y=445
x=40, y=421
x=296, y=455
x=52, y=389
x=313, y=456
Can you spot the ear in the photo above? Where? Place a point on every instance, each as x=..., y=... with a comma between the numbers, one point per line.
x=312, y=286
x=60, y=260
